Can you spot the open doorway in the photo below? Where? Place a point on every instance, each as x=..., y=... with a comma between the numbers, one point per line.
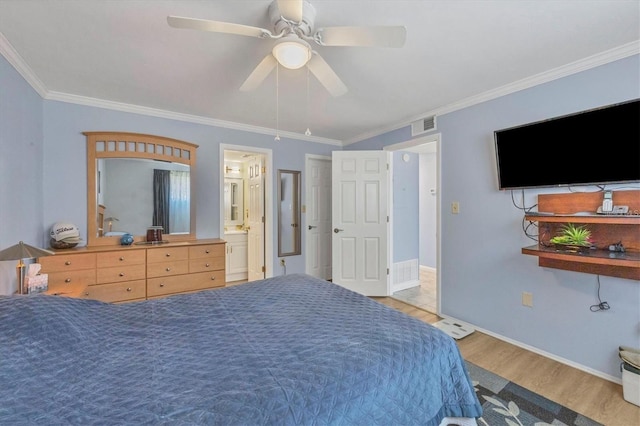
x=424, y=293
x=245, y=212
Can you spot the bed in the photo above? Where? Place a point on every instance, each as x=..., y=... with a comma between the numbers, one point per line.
x=290, y=350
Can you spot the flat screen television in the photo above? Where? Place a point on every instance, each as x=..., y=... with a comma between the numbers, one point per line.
x=594, y=147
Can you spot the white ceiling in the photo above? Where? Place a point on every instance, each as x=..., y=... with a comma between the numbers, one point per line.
x=122, y=54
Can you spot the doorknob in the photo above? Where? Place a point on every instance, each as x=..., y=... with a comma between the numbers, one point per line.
x=312, y=227
x=336, y=230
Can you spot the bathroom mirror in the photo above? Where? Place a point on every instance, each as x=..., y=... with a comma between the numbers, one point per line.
x=288, y=213
x=233, y=201
x=135, y=181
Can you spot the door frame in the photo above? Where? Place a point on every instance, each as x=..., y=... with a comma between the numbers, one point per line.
x=268, y=199
x=414, y=145
x=307, y=190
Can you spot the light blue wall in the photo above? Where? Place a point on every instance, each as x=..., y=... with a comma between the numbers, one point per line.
x=65, y=166
x=21, y=162
x=405, y=207
x=483, y=272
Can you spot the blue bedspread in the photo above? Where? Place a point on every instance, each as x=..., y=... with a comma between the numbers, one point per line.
x=286, y=350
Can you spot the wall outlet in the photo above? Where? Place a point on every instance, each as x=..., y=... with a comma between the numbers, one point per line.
x=282, y=262
x=455, y=207
x=527, y=299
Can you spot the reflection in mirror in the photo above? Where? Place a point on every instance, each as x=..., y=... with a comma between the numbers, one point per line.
x=137, y=181
x=288, y=213
x=138, y=193
x=233, y=201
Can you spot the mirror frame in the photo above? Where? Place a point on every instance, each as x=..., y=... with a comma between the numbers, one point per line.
x=296, y=191
x=135, y=145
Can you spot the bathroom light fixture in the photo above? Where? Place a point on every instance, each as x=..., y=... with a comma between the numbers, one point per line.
x=292, y=52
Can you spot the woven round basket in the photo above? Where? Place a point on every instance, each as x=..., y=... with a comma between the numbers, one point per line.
x=61, y=244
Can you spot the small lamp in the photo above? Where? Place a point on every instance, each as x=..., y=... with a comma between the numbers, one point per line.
x=22, y=251
x=110, y=220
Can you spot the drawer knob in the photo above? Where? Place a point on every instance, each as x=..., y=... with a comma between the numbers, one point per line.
x=168, y=254
x=68, y=262
x=161, y=284
x=168, y=269
x=213, y=278
x=206, y=251
x=68, y=280
x=128, y=288
x=87, y=293
x=207, y=265
x=121, y=258
x=121, y=274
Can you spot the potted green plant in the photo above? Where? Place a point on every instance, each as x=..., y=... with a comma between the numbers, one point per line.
x=576, y=237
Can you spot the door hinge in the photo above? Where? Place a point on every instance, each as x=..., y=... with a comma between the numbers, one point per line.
x=263, y=269
x=387, y=166
x=264, y=169
x=387, y=271
x=262, y=219
x=387, y=218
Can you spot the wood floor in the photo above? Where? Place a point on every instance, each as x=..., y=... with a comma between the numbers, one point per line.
x=591, y=396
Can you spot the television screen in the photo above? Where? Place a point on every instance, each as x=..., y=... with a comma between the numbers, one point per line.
x=593, y=147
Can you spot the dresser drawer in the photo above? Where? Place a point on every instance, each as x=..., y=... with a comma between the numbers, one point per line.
x=206, y=264
x=67, y=262
x=178, y=284
x=167, y=254
x=115, y=292
x=166, y=269
x=205, y=251
x=121, y=257
x=121, y=274
x=67, y=279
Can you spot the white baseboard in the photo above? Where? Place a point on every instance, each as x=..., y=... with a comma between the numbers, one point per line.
x=535, y=350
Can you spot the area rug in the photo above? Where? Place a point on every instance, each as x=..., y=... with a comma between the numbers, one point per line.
x=506, y=403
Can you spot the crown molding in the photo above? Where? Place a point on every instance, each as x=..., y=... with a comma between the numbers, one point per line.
x=593, y=61
x=154, y=112
x=12, y=56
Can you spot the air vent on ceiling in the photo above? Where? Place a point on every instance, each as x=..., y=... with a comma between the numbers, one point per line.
x=423, y=125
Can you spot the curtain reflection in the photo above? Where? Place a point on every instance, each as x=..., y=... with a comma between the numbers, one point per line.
x=161, y=199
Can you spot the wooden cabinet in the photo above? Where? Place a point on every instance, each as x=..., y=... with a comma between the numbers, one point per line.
x=606, y=230
x=137, y=272
x=237, y=256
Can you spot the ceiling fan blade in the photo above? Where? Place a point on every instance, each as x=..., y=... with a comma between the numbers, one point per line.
x=291, y=10
x=326, y=76
x=258, y=75
x=380, y=36
x=216, y=26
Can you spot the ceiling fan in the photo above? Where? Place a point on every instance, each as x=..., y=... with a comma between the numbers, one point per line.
x=293, y=34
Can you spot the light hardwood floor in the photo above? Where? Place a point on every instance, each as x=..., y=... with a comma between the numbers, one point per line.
x=582, y=392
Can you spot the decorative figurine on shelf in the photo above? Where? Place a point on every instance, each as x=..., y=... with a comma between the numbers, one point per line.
x=126, y=240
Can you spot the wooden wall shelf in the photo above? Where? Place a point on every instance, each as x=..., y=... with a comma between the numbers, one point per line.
x=580, y=208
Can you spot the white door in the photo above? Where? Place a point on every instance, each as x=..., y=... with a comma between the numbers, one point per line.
x=318, y=214
x=360, y=221
x=255, y=233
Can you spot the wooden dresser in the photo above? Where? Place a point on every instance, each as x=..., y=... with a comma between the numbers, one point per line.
x=136, y=272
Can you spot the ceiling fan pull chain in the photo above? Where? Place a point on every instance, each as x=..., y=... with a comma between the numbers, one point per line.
x=308, y=131
x=277, y=138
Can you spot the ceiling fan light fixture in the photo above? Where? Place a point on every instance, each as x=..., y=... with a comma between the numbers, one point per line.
x=292, y=52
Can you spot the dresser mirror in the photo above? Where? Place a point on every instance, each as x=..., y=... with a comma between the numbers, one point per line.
x=288, y=213
x=135, y=182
